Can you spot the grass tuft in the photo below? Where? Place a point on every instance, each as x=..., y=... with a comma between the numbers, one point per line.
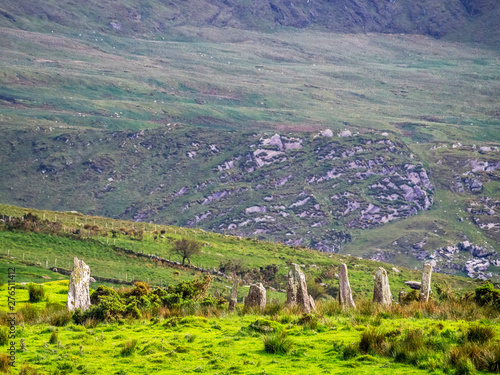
x=277, y=343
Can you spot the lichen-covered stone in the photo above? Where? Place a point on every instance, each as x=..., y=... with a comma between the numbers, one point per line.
x=256, y=296
x=78, y=289
x=345, y=293
x=296, y=293
x=382, y=291
x=425, y=288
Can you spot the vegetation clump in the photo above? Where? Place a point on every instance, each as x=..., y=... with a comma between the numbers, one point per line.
x=36, y=293
x=277, y=343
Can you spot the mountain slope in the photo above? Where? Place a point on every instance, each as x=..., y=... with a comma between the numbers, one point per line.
x=434, y=18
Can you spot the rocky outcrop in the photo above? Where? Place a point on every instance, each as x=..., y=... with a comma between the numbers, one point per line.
x=78, y=289
x=416, y=285
x=256, y=296
x=382, y=291
x=425, y=288
x=296, y=293
x=345, y=293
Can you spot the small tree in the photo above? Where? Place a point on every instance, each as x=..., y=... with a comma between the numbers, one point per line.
x=186, y=249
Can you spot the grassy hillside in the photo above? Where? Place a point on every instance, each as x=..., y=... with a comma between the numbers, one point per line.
x=290, y=80
x=107, y=256
x=463, y=20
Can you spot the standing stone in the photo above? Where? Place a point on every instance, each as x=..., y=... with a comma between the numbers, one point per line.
x=345, y=293
x=256, y=296
x=234, y=295
x=78, y=290
x=402, y=295
x=425, y=288
x=382, y=291
x=312, y=303
x=296, y=293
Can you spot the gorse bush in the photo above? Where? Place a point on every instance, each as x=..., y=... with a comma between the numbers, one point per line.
x=277, y=343
x=185, y=297
x=487, y=295
x=36, y=293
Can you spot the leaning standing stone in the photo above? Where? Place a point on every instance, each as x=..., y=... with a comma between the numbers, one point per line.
x=296, y=293
x=256, y=296
x=425, y=288
x=78, y=290
x=382, y=291
x=345, y=293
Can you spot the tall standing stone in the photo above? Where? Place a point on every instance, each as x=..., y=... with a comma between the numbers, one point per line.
x=382, y=291
x=256, y=296
x=296, y=293
x=425, y=288
x=345, y=293
x=78, y=290
x=234, y=295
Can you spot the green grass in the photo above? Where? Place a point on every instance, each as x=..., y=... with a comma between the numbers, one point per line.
x=222, y=345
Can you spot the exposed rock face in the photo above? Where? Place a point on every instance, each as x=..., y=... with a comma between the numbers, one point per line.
x=78, y=290
x=256, y=296
x=234, y=295
x=425, y=289
x=345, y=293
x=382, y=291
x=296, y=293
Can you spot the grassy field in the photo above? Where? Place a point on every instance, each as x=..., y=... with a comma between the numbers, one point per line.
x=331, y=341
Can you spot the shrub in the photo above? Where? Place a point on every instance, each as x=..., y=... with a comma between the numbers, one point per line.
x=95, y=297
x=128, y=348
x=36, y=293
x=487, y=295
x=479, y=333
x=277, y=343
